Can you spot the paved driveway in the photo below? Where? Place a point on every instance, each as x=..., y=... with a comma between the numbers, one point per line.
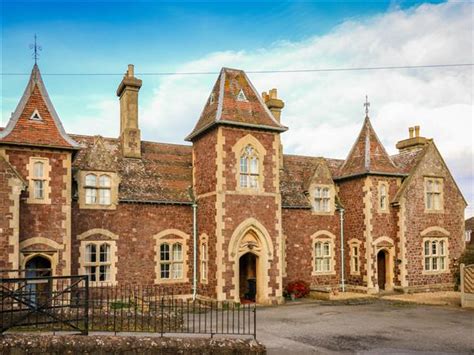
x=369, y=326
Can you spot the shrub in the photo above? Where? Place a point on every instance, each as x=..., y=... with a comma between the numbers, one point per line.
x=298, y=288
x=467, y=258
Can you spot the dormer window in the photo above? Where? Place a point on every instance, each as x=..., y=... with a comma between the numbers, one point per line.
x=241, y=96
x=322, y=199
x=249, y=168
x=97, y=189
x=36, y=116
x=211, y=99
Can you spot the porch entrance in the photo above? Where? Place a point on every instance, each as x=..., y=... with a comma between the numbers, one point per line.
x=381, y=269
x=248, y=277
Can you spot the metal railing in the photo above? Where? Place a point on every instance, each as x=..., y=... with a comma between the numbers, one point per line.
x=66, y=304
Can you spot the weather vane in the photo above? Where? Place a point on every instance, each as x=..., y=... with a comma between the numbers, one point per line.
x=366, y=104
x=36, y=49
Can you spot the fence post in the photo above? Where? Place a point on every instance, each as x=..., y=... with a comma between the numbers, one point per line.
x=162, y=305
x=86, y=307
x=461, y=275
x=255, y=321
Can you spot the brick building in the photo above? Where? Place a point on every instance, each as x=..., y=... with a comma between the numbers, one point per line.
x=229, y=214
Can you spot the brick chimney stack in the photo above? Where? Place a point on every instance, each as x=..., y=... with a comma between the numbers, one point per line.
x=129, y=132
x=415, y=141
x=273, y=103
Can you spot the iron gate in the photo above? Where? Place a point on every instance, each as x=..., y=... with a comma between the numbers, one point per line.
x=44, y=302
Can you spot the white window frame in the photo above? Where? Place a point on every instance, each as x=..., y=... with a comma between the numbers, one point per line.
x=204, y=261
x=435, y=255
x=249, y=172
x=100, y=191
x=322, y=199
x=174, y=263
x=433, y=194
x=383, y=194
x=468, y=235
x=354, y=255
x=97, y=265
x=38, y=182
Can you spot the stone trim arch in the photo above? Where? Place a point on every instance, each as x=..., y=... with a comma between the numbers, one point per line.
x=41, y=240
x=387, y=245
x=165, y=236
x=250, y=224
x=321, y=236
x=101, y=231
x=382, y=239
x=261, y=246
x=437, y=229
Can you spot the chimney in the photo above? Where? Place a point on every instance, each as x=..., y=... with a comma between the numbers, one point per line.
x=129, y=131
x=415, y=141
x=273, y=103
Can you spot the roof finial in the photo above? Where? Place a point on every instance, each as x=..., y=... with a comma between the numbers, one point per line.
x=36, y=49
x=367, y=105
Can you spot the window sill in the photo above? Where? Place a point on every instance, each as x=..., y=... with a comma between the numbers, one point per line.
x=170, y=281
x=84, y=206
x=323, y=273
x=434, y=211
x=437, y=272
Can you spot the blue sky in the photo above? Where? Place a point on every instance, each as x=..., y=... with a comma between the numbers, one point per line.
x=323, y=110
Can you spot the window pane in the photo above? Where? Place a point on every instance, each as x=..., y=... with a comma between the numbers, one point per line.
x=165, y=271
x=104, y=196
x=39, y=189
x=441, y=263
x=243, y=164
x=325, y=205
x=177, y=271
x=254, y=166
x=91, y=196
x=429, y=186
x=326, y=264
x=104, y=181
x=38, y=169
x=104, y=272
x=434, y=263
x=436, y=202
x=319, y=265
x=177, y=252
x=427, y=248
x=317, y=192
x=317, y=204
x=427, y=264
x=253, y=181
x=326, y=249
x=434, y=247
x=318, y=249
x=90, y=180
x=164, y=252
x=356, y=264
x=441, y=247
x=91, y=253
x=355, y=251
x=91, y=272
x=326, y=192
x=104, y=253
x=243, y=180
x=429, y=201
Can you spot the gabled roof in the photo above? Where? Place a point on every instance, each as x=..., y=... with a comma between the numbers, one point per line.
x=235, y=101
x=367, y=155
x=35, y=121
x=5, y=166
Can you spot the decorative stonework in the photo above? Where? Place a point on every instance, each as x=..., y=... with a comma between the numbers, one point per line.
x=46, y=178
x=324, y=236
x=114, y=185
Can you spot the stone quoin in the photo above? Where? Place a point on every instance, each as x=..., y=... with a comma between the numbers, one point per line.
x=126, y=211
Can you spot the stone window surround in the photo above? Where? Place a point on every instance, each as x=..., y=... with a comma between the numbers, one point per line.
x=354, y=242
x=261, y=153
x=435, y=233
x=446, y=255
x=111, y=239
x=204, y=258
x=379, y=197
x=46, y=178
x=441, y=194
x=171, y=236
x=114, y=183
x=332, y=194
x=323, y=236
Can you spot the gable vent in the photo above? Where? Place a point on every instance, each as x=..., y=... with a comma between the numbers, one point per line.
x=241, y=96
x=36, y=116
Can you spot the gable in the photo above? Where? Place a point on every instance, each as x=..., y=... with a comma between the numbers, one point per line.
x=429, y=163
x=321, y=175
x=35, y=121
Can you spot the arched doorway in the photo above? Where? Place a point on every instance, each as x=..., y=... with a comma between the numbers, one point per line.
x=382, y=269
x=40, y=291
x=248, y=277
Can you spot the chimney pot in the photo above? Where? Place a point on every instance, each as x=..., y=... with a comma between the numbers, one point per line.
x=273, y=94
x=417, y=131
x=131, y=70
x=410, y=131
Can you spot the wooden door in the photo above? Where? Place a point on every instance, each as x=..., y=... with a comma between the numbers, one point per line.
x=381, y=270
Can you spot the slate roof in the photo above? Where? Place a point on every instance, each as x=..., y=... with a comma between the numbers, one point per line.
x=164, y=174
x=48, y=131
x=367, y=155
x=405, y=161
x=224, y=107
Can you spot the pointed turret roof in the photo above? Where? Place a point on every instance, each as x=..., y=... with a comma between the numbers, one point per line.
x=367, y=155
x=234, y=101
x=35, y=122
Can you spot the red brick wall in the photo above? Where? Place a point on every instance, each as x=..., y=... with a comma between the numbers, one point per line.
x=135, y=225
x=298, y=227
x=43, y=220
x=451, y=219
x=5, y=215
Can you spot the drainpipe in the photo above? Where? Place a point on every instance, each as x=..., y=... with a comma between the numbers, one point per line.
x=341, y=215
x=194, y=250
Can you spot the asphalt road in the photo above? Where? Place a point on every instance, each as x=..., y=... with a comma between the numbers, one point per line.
x=367, y=327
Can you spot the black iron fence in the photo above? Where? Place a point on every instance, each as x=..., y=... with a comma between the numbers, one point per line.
x=65, y=303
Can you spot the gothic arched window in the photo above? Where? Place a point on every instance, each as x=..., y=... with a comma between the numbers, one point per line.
x=249, y=168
